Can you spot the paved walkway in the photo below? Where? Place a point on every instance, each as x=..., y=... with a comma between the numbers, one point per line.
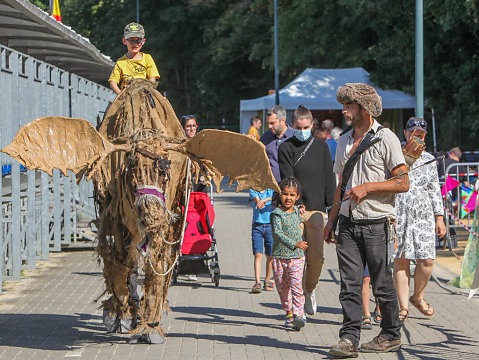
x=52, y=315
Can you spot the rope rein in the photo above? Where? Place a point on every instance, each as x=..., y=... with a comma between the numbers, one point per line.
x=180, y=240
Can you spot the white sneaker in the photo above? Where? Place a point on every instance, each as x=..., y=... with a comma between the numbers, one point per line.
x=310, y=303
x=192, y=277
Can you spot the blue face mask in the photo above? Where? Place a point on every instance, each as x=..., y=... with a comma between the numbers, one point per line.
x=302, y=135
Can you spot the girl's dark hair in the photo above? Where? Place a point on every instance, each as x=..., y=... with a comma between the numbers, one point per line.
x=302, y=112
x=291, y=182
x=186, y=118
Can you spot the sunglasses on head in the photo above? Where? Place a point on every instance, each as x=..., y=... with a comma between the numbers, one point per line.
x=136, y=42
x=416, y=122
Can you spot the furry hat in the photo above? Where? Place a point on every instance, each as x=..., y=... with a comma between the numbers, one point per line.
x=363, y=94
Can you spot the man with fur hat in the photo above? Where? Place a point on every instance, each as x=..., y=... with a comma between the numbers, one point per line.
x=366, y=157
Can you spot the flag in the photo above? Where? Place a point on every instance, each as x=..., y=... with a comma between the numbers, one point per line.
x=471, y=203
x=56, y=11
x=466, y=195
x=449, y=184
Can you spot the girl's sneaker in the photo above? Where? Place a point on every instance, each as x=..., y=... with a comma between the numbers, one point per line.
x=298, y=322
x=288, y=324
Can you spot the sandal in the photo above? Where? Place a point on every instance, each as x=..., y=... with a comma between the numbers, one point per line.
x=428, y=311
x=268, y=285
x=366, y=324
x=288, y=323
x=256, y=288
x=377, y=316
x=403, y=314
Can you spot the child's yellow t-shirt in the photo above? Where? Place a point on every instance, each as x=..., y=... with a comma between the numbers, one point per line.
x=126, y=69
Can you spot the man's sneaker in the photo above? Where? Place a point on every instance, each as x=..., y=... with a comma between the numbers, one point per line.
x=310, y=303
x=344, y=349
x=298, y=322
x=380, y=344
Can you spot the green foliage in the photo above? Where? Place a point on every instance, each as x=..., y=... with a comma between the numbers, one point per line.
x=380, y=36
x=213, y=53
x=42, y=4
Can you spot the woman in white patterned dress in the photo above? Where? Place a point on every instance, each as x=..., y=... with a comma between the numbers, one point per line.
x=420, y=216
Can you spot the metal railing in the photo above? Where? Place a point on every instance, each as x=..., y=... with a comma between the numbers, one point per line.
x=467, y=174
x=40, y=213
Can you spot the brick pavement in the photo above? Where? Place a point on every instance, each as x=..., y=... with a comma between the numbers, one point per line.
x=51, y=313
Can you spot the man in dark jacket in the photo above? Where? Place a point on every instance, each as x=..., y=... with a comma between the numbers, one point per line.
x=278, y=132
x=308, y=159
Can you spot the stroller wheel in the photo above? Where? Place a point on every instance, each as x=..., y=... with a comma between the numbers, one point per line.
x=212, y=266
x=217, y=280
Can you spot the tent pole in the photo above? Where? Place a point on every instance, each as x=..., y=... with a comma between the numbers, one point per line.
x=264, y=120
x=433, y=129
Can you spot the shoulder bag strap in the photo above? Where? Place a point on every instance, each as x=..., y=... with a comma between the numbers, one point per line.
x=304, y=151
x=365, y=144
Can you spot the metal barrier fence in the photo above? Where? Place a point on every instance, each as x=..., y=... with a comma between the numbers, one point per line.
x=40, y=213
x=467, y=174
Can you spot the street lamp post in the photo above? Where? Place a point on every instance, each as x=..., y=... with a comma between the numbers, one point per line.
x=276, y=68
x=419, y=81
x=138, y=11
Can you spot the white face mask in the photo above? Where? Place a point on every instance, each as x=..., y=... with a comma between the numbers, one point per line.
x=302, y=135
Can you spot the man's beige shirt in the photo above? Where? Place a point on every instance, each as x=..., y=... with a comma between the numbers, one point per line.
x=374, y=165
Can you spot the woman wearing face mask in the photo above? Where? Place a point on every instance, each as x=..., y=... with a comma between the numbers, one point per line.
x=308, y=160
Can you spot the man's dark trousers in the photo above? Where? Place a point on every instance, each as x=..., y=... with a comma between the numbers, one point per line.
x=358, y=244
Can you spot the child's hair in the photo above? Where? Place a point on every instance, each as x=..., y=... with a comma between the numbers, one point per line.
x=291, y=182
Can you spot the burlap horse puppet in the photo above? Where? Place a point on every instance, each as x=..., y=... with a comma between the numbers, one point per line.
x=139, y=161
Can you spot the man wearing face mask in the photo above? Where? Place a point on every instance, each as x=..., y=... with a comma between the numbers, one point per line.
x=308, y=159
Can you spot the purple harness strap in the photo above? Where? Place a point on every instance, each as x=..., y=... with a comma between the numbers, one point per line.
x=148, y=191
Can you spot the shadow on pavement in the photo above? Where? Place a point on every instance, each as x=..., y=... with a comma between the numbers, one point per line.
x=439, y=350
x=206, y=283
x=312, y=320
x=263, y=341
x=217, y=316
x=236, y=277
x=54, y=332
x=332, y=274
x=87, y=273
x=205, y=280
x=320, y=309
x=434, y=351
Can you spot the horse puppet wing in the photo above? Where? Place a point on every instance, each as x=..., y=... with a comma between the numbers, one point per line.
x=222, y=153
x=57, y=142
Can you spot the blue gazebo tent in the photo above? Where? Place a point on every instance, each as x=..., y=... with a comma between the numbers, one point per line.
x=316, y=89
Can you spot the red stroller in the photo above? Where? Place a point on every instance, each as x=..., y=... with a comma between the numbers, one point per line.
x=199, y=254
